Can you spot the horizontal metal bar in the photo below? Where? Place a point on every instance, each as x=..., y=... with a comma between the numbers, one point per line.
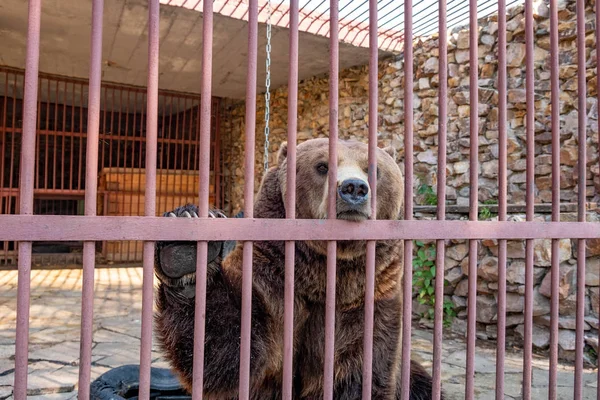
x=66, y=228
x=107, y=85
x=539, y=208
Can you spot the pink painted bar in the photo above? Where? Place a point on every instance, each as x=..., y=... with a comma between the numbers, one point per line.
x=150, y=196
x=288, y=338
x=47, y=141
x=502, y=185
x=367, y=370
x=248, y=198
x=67, y=228
x=91, y=188
x=530, y=197
x=554, y=269
x=203, y=196
x=474, y=200
x=26, y=181
x=4, y=149
x=332, y=196
x=441, y=193
x=408, y=197
x=330, y=320
x=581, y=206
x=554, y=306
x=598, y=98
x=290, y=247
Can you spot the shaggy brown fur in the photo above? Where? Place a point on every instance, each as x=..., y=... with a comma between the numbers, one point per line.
x=175, y=316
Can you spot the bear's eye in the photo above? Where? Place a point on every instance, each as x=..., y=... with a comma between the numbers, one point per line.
x=322, y=168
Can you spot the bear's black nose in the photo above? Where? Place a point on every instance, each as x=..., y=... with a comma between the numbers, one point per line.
x=354, y=191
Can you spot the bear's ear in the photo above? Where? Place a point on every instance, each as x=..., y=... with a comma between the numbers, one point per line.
x=282, y=154
x=391, y=150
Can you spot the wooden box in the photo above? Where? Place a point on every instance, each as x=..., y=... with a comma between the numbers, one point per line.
x=121, y=192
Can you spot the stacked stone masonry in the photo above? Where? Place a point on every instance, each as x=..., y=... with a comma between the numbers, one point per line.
x=313, y=121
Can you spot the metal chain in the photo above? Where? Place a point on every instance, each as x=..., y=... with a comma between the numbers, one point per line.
x=268, y=87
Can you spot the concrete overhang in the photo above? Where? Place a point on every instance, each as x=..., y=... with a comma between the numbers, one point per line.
x=65, y=46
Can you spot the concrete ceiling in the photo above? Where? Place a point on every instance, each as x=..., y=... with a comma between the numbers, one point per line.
x=65, y=46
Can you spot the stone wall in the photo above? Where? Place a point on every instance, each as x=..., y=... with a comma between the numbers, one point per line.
x=313, y=117
x=456, y=291
x=353, y=116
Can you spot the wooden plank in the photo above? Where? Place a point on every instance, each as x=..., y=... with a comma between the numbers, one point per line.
x=128, y=204
x=121, y=192
x=127, y=250
x=134, y=180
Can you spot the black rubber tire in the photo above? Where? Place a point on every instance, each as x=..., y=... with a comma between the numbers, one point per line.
x=122, y=383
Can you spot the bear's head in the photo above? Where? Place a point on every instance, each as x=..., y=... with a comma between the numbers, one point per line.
x=176, y=261
x=353, y=193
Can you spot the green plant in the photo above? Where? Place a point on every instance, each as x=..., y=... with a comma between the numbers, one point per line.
x=591, y=352
x=424, y=275
x=449, y=312
x=424, y=282
x=485, y=212
x=429, y=196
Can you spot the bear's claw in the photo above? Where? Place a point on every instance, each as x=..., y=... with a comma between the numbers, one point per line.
x=193, y=214
x=175, y=262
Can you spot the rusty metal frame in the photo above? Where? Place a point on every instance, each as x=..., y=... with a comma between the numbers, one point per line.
x=60, y=156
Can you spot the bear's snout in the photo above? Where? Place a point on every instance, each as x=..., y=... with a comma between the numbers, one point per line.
x=354, y=191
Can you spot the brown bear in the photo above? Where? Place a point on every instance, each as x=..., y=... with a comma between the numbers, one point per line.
x=176, y=263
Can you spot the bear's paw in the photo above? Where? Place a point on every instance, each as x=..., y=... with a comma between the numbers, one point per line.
x=175, y=261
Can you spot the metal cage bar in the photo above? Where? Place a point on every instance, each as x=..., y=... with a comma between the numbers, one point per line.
x=530, y=199
x=204, y=160
x=91, y=189
x=367, y=368
x=581, y=203
x=332, y=195
x=502, y=184
x=408, y=197
x=597, y=4
x=554, y=269
x=26, y=185
x=290, y=204
x=66, y=228
x=150, y=195
x=249, y=198
x=473, y=195
x=441, y=203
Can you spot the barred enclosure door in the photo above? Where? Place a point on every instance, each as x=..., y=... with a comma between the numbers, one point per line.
x=60, y=158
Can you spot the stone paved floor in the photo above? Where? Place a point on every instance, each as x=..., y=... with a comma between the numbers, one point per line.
x=54, y=335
